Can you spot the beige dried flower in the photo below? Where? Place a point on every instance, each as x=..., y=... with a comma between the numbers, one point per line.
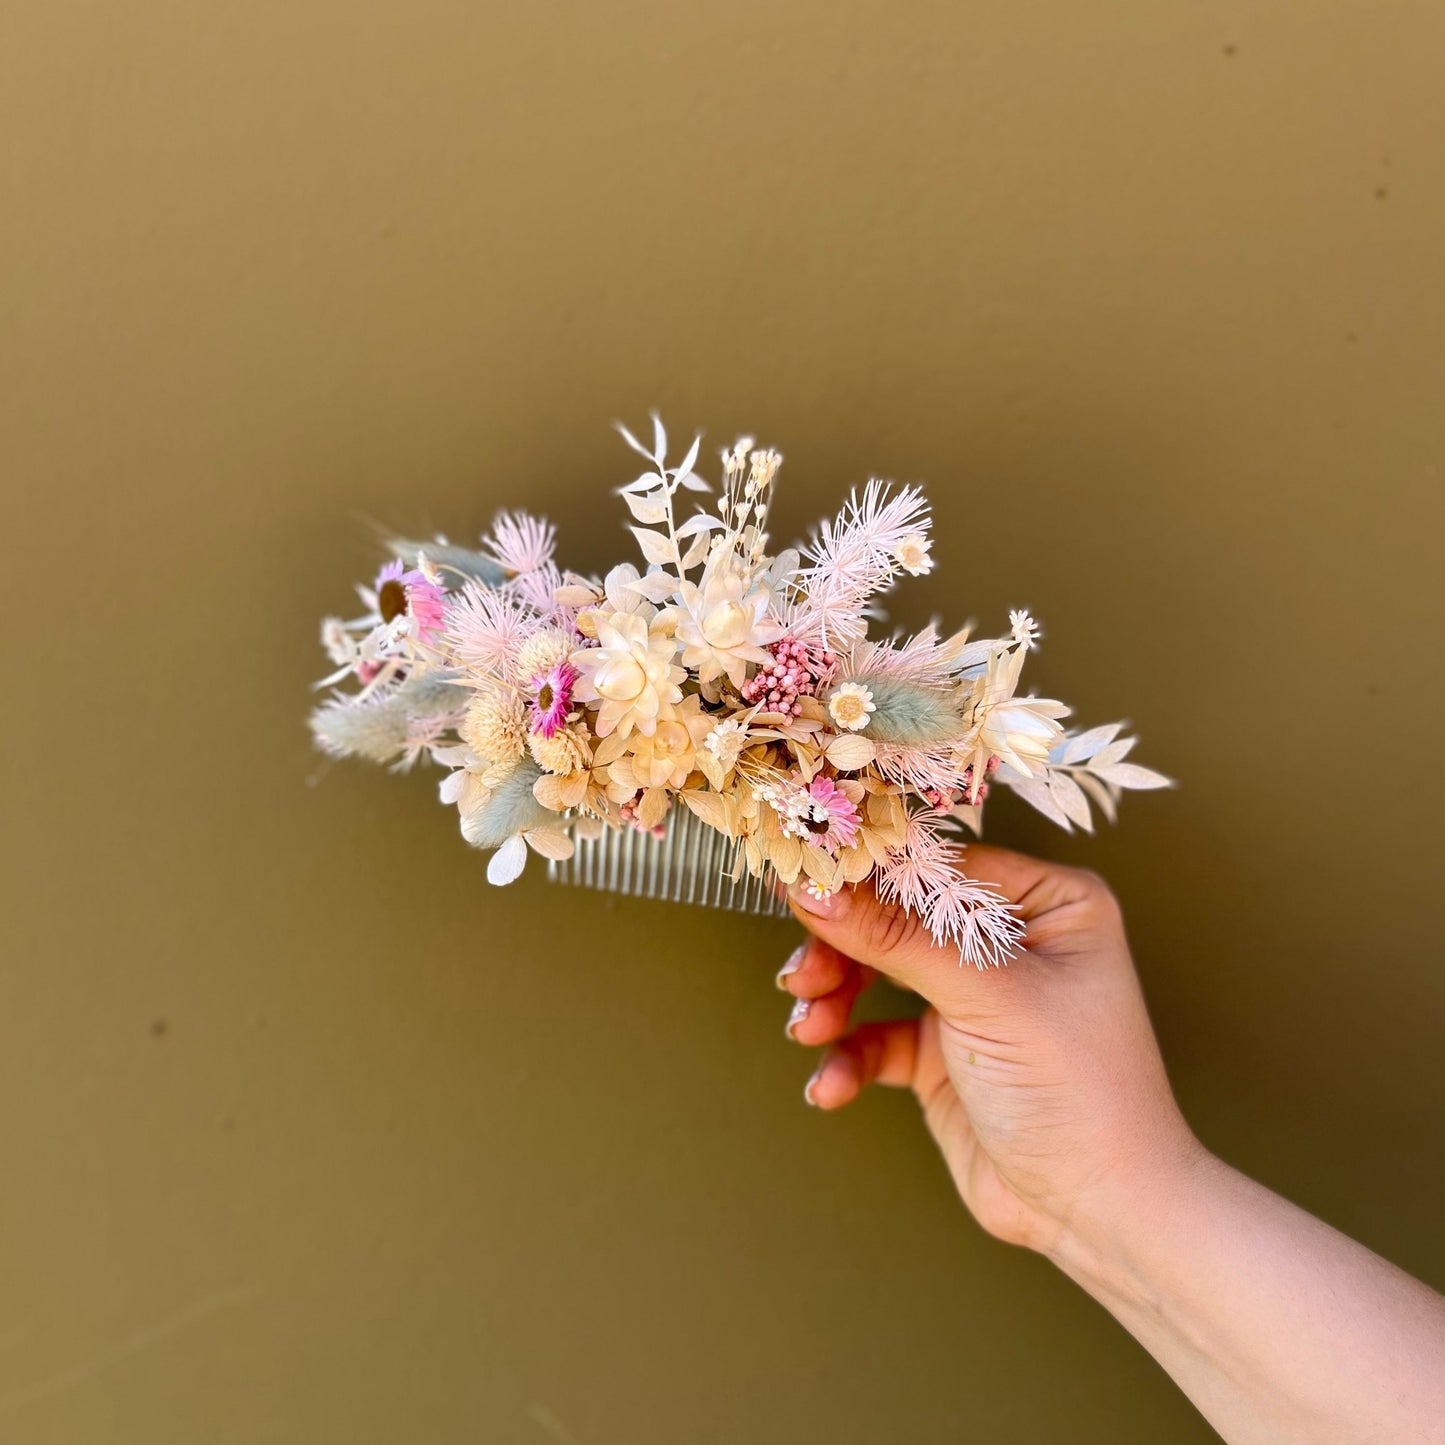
x=543, y=651
x=566, y=751
x=495, y=726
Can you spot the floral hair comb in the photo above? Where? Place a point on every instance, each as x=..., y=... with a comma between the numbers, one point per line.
x=719, y=724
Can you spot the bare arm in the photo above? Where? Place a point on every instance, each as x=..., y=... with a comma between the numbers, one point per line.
x=1044, y=1088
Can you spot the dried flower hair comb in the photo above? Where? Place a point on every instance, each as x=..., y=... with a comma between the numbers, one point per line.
x=721, y=724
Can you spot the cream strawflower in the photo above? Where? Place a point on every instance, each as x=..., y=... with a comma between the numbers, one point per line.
x=850, y=706
x=664, y=758
x=911, y=553
x=495, y=726
x=723, y=622
x=1023, y=731
x=631, y=673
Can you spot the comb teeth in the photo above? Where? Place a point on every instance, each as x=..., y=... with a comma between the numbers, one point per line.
x=689, y=865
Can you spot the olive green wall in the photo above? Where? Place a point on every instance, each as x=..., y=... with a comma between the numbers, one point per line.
x=309, y=1135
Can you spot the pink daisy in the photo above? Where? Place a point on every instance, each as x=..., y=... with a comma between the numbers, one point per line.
x=552, y=698
x=828, y=817
x=402, y=593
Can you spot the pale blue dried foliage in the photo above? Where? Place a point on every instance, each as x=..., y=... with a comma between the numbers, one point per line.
x=433, y=694
x=509, y=810
x=374, y=729
x=452, y=560
x=906, y=712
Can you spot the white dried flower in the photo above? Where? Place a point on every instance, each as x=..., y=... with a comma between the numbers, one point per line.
x=851, y=705
x=339, y=644
x=723, y=622
x=911, y=553
x=1026, y=631
x=631, y=673
x=726, y=741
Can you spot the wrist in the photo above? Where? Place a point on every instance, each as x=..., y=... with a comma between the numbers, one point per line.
x=1105, y=1240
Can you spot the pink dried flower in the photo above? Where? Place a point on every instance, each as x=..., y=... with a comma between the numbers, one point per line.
x=552, y=698
x=821, y=813
x=793, y=673
x=410, y=593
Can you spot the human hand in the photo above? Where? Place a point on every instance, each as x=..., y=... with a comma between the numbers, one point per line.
x=1041, y=1082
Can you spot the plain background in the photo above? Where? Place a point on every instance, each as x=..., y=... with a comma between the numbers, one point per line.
x=308, y=1134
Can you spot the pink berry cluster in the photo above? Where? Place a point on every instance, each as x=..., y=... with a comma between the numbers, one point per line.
x=951, y=798
x=793, y=674
x=628, y=814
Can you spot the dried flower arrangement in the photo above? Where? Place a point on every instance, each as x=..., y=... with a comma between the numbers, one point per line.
x=739, y=685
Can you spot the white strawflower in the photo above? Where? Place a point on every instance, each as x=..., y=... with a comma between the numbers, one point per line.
x=851, y=705
x=911, y=553
x=631, y=673
x=723, y=622
x=1022, y=731
x=495, y=726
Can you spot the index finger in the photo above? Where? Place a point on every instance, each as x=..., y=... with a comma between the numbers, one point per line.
x=897, y=942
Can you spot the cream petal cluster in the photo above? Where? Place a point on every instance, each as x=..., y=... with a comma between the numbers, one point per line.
x=631, y=675
x=723, y=622
x=664, y=758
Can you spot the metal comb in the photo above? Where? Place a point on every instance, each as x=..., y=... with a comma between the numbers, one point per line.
x=688, y=865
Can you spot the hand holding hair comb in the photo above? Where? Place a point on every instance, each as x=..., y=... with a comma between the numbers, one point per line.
x=718, y=725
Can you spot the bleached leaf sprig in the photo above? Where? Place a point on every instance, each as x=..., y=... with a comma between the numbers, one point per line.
x=719, y=677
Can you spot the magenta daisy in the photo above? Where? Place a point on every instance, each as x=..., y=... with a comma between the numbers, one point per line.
x=400, y=593
x=552, y=698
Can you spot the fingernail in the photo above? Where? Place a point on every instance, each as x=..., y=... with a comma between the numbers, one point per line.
x=799, y=1013
x=813, y=1084
x=794, y=963
x=829, y=905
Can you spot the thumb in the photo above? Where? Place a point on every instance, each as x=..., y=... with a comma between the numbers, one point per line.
x=888, y=937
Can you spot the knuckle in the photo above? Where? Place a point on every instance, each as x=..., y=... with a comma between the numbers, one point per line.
x=889, y=928
x=1097, y=894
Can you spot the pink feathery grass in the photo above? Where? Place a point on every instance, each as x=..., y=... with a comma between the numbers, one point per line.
x=486, y=626
x=552, y=698
x=520, y=542
x=851, y=558
x=926, y=878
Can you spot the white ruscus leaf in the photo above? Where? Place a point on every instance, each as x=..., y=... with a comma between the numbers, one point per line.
x=1086, y=744
x=1131, y=775
x=656, y=548
x=1035, y=791
x=1100, y=792
x=646, y=508
x=1071, y=800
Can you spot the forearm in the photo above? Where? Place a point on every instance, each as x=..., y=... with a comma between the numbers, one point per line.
x=1276, y=1326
